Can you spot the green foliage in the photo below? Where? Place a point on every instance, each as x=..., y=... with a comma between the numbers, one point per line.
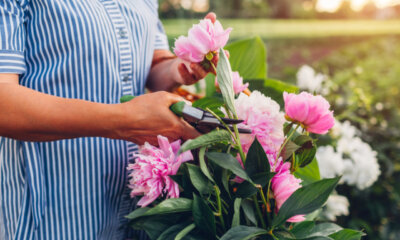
x=248, y=58
x=224, y=78
x=215, y=206
x=256, y=160
x=243, y=233
x=212, y=103
x=228, y=162
x=198, y=179
x=308, y=174
x=173, y=205
x=205, y=140
x=365, y=90
x=306, y=199
x=203, y=217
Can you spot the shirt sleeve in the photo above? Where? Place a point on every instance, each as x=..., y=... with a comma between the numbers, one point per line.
x=12, y=37
x=161, y=41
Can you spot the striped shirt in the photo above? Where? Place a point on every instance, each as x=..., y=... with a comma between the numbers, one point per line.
x=95, y=50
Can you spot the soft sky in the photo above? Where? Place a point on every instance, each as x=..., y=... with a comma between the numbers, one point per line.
x=332, y=5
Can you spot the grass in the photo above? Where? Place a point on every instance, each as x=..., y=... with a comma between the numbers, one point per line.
x=292, y=29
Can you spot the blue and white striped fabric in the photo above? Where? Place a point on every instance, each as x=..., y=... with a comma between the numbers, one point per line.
x=96, y=50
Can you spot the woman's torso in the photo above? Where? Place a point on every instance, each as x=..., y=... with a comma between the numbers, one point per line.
x=96, y=50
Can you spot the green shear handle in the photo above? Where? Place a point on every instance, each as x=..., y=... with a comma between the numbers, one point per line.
x=176, y=108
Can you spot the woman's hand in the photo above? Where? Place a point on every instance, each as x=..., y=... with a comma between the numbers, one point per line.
x=170, y=74
x=149, y=115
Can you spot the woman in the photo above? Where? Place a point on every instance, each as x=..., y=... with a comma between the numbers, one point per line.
x=65, y=139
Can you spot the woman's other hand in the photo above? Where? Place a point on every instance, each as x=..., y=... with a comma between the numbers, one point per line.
x=147, y=116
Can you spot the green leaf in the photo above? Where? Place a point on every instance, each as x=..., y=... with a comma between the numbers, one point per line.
x=256, y=160
x=304, y=141
x=205, y=140
x=247, y=189
x=305, y=200
x=283, y=234
x=185, y=231
x=210, y=85
x=225, y=180
x=249, y=212
x=308, y=229
x=224, y=78
x=306, y=156
x=137, y=213
x=203, y=165
x=227, y=161
x=288, y=150
x=325, y=229
x=203, y=216
x=171, y=205
x=308, y=174
x=172, y=231
x=243, y=233
x=154, y=226
x=248, y=57
x=302, y=229
x=347, y=234
x=288, y=127
x=213, y=103
x=307, y=151
x=198, y=179
x=236, y=212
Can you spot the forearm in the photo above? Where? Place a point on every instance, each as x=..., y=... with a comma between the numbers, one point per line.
x=29, y=115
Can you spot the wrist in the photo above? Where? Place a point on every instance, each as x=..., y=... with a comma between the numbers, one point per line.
x=112, y=120
x=119, y=120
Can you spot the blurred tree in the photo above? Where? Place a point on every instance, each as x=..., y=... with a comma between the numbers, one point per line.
x=369, y=10
x=280, y=8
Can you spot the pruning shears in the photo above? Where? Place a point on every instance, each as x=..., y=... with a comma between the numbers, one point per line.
x=200, y=119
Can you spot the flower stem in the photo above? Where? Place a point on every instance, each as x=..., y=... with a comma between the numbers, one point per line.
x=272, y=235
x=217, y=193
x=259, y=211
x=222, y=122
x=242, y=155
x=293, y=167
x=237, y=137
x=284, y=143
x=269, y=196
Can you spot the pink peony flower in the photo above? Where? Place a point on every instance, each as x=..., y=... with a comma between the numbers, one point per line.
x=150, y=173
x=238, y=85
x=283, y=185
x=262, y=115
x=202, y=39
x=310, y=111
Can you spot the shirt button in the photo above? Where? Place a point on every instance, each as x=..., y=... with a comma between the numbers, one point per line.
x=125, y=78
x=122, y=33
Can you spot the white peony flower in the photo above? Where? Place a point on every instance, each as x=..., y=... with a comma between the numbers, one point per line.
x=344, y=130
x=336, y=205
x=361, y=166
x=308, y=80
x=352, y=159
x=329, y=161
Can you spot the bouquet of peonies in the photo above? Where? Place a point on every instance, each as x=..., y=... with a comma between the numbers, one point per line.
x=226, y=185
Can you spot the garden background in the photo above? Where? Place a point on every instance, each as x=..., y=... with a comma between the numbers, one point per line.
x=355, y=44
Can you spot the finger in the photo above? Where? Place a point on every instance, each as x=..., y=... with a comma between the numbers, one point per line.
x=187, y=77
x=198, y=70
x=211, y=16
x=172, y=98
x=189, y=132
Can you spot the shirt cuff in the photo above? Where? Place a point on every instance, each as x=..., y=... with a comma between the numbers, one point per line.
x=12, y=62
